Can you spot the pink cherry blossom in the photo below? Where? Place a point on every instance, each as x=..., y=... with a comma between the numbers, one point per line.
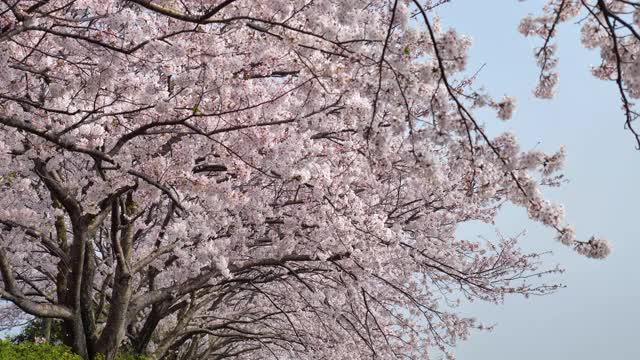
x=258, y=179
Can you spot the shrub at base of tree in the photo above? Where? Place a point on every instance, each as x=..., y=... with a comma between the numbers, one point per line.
x=33, y=351
x=47, y=351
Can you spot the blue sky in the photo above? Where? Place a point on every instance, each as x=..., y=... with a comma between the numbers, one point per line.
x=596, y=316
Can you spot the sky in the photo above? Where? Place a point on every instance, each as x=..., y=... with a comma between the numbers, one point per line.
x=597, y=314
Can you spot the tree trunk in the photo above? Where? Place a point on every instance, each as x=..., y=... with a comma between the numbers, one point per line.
x=47, y=330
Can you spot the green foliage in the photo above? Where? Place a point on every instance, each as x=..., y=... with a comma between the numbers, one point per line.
x=23, y=346
x=45, y=351
x=33, y=351
x=9, y=178
x=37, y=329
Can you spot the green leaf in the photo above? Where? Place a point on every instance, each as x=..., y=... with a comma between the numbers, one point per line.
x=33, y=351
x=10, y=177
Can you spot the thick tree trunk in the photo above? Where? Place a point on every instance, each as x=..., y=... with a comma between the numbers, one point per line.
x=79, y=291
x=115, y=327
x=114, y=330
x=76, y=327
x=87, y=308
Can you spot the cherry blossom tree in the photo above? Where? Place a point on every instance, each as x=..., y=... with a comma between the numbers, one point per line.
x=268, y=179
x=611, y=27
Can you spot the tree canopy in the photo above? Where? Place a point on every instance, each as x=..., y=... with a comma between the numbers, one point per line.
x=270, y=179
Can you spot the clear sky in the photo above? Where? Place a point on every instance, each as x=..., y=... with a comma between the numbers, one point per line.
x=597, y=316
